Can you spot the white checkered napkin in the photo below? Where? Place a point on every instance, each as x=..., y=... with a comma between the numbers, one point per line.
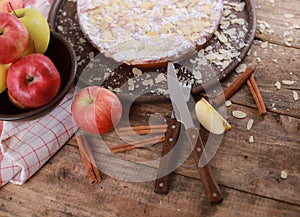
x=26, y=146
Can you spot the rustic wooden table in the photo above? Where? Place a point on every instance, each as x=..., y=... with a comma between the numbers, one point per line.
x=251, y=175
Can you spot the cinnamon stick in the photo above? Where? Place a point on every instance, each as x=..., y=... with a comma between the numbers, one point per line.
x=256, y=95
x=220, y=99
x=141, y=130
x=143, y=127
x=88, y=160
x=138, y=144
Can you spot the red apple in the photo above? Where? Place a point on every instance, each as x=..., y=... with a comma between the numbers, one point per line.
x=15, y=4
x=32, y=81
x=96, y=110
x=14, y=38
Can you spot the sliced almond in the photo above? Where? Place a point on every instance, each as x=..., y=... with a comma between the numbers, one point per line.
x=295, y=95
x=241, y=68
x=277, y=85
x=264, y=44
x=283, y=174
x=251, y=139
x=288, y=41
x=288, y=82
x=238, y=114
x=160, y=78
x=228, y=103
x=130, y=84
x=250, y=124
x=148, y=82
x=136, y=71
x=222, y=38
x=288, y=16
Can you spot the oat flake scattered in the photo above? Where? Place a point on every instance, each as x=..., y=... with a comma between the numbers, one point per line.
x=283, y=174
x=239, y=114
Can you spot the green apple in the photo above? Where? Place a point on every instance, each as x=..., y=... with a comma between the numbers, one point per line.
x=38, y=28
x=3, y=75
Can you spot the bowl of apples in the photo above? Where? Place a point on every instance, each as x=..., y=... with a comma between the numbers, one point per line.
x=37, y=66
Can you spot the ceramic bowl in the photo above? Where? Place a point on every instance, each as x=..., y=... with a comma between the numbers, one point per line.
x=63, y=56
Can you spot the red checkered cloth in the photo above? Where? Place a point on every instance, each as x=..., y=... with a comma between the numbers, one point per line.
x=26, y=146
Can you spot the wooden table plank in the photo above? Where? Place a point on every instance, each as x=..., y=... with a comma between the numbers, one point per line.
x=283, y=18
x=250, y=167
x=70, y=194
x=249, y=173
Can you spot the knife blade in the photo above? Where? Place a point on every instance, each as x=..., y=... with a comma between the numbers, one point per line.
x=162, y=182
x=183, y=115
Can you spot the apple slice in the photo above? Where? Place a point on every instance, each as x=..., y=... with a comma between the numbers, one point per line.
x=209, y=118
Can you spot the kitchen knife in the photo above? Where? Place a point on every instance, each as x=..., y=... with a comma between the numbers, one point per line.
x=183, y=115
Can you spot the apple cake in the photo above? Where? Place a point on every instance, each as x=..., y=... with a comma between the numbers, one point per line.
x=148, y=33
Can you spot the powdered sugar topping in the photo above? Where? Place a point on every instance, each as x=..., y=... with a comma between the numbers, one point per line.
x=134, y=31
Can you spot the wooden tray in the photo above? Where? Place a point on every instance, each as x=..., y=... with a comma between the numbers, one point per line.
x=95, y=69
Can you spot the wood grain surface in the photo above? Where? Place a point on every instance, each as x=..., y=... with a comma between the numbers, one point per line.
x=249, y=173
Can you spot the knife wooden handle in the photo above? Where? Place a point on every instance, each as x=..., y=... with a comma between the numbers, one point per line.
x=210, y=184
x=162, y=182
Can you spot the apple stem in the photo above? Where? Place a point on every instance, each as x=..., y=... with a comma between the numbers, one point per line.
x=88, y=90
x=12, y=8
x=29, y=78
